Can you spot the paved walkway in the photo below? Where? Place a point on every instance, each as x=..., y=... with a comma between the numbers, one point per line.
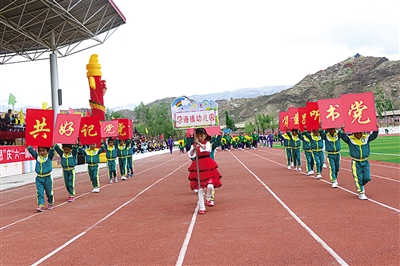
x=8, y=182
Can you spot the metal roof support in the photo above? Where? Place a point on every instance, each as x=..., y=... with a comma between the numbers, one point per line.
x=54, y=78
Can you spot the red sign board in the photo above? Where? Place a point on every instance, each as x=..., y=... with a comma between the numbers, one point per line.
x=123, y=128
x=67, y=128
x=39, y=127
x=283, y=121
x=330, y=111
x=359, y=112
x=89, y=132
x=109, y=129
x=312, y=116
x=302, y=117
x=293, y=119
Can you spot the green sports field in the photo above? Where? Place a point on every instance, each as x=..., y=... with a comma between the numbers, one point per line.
x=384, y=148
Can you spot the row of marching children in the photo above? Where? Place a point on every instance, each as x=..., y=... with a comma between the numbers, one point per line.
x=313, y=143
x=114, y=149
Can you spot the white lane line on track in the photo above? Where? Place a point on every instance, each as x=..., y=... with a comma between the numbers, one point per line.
x=314, y=235
x=104, y=218
x=77, y=197
x=348, y=170
x=369, y=199
x=185, y=244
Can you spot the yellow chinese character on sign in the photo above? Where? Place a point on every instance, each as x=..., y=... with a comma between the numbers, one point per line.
x=88, y=130
x=40, y=127
x=67, y=128
x=120, y=129
x=357, y=108
x=285, y=121
x=332, y=112
x=303, y=118
x=315, y=114
x=295, y=119
x=109, y=129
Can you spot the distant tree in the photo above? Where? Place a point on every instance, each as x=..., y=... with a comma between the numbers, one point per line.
x=383, y=103
x=142, y=113
x=249, y=128
x=111, y=114
x=229, y=122
x=161, y=122
x=263, y=121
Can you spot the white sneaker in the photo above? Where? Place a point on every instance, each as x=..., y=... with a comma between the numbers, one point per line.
x=324, y=165
x=195, y=190
x=115, y=179
x=362, y=197
x=123, y=178
x=291, y=164
x=319, y=176
x=289, y=167
x=299, y=169
x=310, y=172
x=96, y=190
x=110, y=181
x=334, y=185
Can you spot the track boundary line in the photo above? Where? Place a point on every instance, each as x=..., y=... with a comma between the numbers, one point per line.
x=103, y=219
x=304, y=225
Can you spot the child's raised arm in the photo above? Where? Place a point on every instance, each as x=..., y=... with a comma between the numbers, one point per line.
x=58, y=150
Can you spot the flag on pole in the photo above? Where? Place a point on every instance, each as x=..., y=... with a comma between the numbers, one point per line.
x=11, y=100
x=147, y=132
x=71, y=111
x=44, y=105
x=21, y=117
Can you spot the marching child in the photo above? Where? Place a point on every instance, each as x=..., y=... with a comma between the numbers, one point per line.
x=111, y=155
x=332, y=148
x=208, y=172
x=122, y=154
x=129, y=158
x=44, y=181
x=359, y=152
x=308, y=154
x=317, y=144
x=288, y=151
x=181, y=146
x=68, y=155
x=295, y=146
x=92, y=156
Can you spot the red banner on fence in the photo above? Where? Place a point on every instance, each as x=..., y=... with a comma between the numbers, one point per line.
x=39, y=127
x=359, y=112
x=11, y=154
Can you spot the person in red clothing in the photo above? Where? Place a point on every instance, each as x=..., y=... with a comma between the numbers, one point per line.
x=208, y=172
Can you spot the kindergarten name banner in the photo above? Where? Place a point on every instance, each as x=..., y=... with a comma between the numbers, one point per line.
x=187, y=114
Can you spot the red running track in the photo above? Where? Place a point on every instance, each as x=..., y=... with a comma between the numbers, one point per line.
x=265, y=214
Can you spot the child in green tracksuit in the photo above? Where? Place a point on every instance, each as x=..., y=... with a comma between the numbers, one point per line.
x=111, y=154
x=317, y=144
x=295, y=146
x=44, y=181
x=92, y=156
x=129, y=158
x=308, y=154
x=68, y=155
x=359, y=152
x=122, y=154
x=332, y=148
x=288, y=150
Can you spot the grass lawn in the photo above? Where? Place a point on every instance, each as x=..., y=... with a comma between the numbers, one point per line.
x=386, y=149
x=383, y=148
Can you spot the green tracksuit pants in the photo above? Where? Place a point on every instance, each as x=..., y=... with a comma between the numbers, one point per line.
x=334, y=166
x=309, y=160
x=93, y=171
x=288, y=153
x=361, y=174
x=44, y=185
x=69, y=181
x=129, y=162
x=319, y=160
x=112, y=168
x=122, y=165
x=296, y=157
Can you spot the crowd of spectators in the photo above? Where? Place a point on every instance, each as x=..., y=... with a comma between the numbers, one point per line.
x=9, y=123
x=144, y=145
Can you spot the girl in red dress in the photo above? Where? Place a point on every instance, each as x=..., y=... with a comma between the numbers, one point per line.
x=208, y=172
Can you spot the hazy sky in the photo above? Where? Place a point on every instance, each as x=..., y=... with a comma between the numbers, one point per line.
x=174, y=48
